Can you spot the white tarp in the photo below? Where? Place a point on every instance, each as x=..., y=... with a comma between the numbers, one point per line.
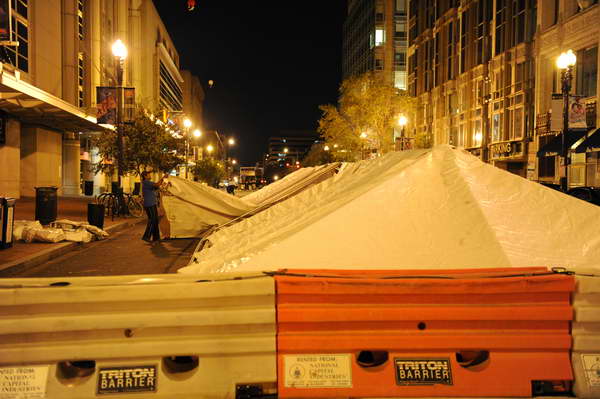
x=422, y=209
x=191, y=208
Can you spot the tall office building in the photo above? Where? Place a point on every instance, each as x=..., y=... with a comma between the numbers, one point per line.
x=48, y=85
x=375, y=39
x=471, y=67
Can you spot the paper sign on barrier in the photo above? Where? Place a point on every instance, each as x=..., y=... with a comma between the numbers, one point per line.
x=318, y=371
x=27, y=382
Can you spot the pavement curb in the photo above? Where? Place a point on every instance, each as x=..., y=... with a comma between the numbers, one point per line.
x=59, y=249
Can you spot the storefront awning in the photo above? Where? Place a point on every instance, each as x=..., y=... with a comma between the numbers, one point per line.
x=591, y=143
x=35, y=106
x=554, y=147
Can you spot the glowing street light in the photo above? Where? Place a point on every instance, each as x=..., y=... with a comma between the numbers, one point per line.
x=565, y=62
x=326, y=148
x=197, y=133
x=363, y=135
x=187, y=123
x=209, y=148
x=402, y=121
x=231, y=141
x=285, y=150
x=119, y=49
x=275, y=177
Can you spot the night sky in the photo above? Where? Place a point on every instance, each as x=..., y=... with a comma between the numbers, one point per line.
x=273, y=63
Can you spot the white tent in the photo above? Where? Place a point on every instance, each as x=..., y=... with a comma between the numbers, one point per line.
x=423, y=209
x=191, y=208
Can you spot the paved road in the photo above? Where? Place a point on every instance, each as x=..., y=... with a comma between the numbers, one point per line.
x=121, y=254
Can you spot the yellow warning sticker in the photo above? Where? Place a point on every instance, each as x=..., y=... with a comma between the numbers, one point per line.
x=318, y=371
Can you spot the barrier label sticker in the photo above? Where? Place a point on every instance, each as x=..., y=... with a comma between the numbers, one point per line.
x=318, y=371
x=591, y=368
x=26, y=382
x=423, y=371
x=127, y=379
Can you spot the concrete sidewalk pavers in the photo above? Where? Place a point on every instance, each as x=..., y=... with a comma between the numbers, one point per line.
x=24, y=255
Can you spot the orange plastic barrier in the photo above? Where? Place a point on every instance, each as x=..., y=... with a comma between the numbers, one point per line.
x=460, y=333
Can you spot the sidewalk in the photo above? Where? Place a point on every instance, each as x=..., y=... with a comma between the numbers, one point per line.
x=73, y=208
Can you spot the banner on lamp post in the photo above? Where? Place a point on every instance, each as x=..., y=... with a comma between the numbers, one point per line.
x=106, y=102
x=128, y=104
x=576, y=112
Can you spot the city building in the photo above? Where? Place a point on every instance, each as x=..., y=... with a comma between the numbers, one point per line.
x=566, y=25
x=289, y=148
x=375, y=38
x=471, y=67
x=48, y=86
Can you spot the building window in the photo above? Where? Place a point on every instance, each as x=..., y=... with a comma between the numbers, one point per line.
x=518, y=22
x=379, y=36
x=587, y=71
x=401, y=6
x=450, y=52
x=400, y=61
x=500, y=26
x=463, y=42
x=171, y=96
x=19, y=56
x=80, y=80
x=496, y=127
x=518, y=124
x=80, y=27
x=378, y=64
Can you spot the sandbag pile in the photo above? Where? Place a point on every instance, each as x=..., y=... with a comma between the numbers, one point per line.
x=60, y=230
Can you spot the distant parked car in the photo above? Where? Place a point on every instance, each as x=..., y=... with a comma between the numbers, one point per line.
x=553, y=186
x=589, y=194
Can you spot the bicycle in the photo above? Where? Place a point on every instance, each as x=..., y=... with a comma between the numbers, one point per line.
x=121, y=205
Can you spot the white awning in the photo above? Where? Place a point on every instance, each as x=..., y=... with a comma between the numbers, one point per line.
x=35, y=106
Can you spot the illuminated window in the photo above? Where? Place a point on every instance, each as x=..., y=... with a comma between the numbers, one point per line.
x=80, y=27
x=379, y=36
x=80, y=80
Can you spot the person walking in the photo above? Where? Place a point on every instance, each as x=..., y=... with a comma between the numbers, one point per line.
x=151, y=206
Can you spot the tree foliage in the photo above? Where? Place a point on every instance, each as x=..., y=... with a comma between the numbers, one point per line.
x=147, y=145
x=209, y=171
x=367, y=105
x=317, y=156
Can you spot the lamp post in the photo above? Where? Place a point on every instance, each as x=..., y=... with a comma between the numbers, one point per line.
x=402, y=123
x=363, y=137
x=187, y=124
x=565, y=62
x=119, y=50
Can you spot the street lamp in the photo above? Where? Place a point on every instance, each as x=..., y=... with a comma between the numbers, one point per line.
x=209, y=148
x=187, y=124
x=565, y=62
x=363, y=137
x=119, y=50
x=402, y=123
x=197, y=133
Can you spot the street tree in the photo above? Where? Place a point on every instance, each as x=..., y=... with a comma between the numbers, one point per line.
x=365, y=116
x=209, y=171
x=317, y=155
x=147, y=145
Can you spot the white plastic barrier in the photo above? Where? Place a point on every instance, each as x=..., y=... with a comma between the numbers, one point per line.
x=171, y=336
x=586, y=337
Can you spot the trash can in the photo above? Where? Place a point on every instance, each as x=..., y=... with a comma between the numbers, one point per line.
x=46, y=205
x=95, y=215
x=88, y=187
x=7, y=217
